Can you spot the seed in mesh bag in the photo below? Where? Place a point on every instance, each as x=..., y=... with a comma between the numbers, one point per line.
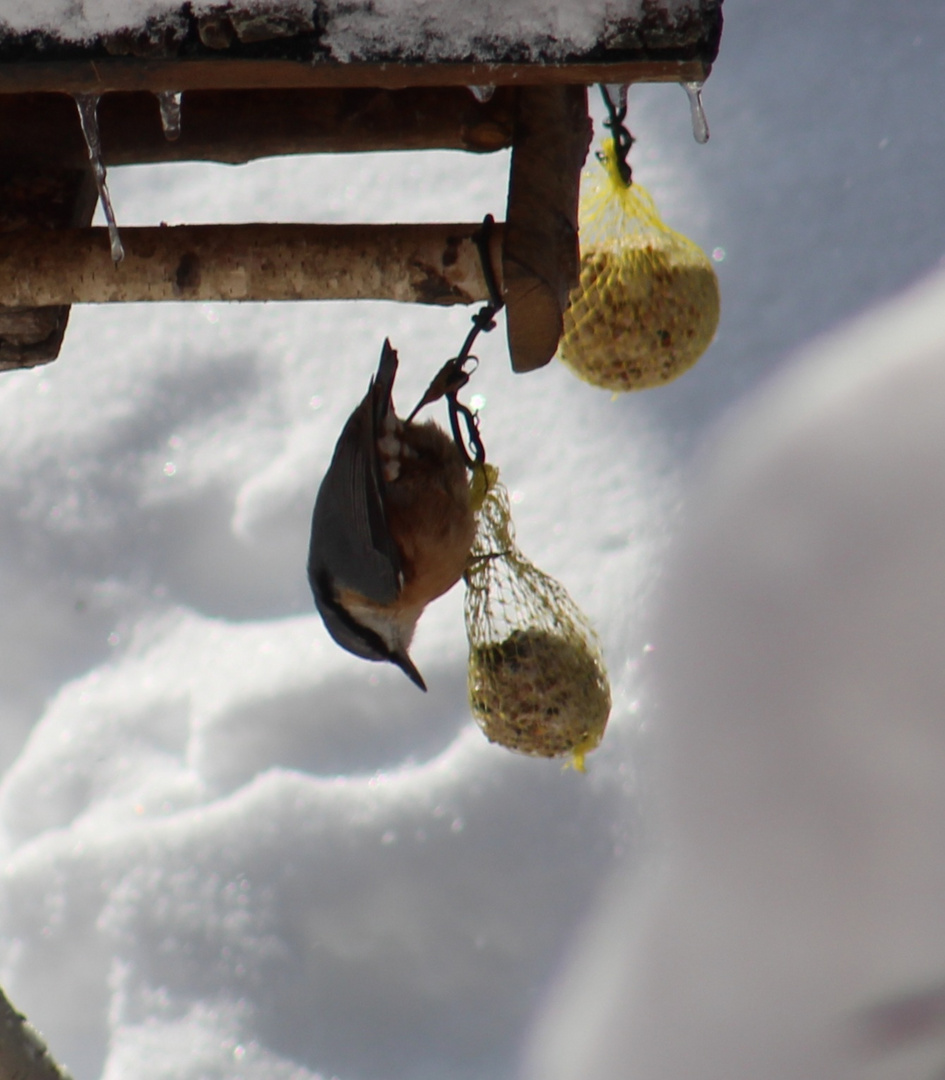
x=540, y=693
x=643, y=312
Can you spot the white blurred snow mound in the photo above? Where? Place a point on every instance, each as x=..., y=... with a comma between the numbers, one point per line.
x=793, y=923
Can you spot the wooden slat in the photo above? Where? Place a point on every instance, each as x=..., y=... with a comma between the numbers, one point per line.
x=104, y=76
x=540, y=256
x=425, y=264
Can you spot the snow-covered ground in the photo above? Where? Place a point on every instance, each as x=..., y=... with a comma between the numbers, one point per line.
x=230, y=848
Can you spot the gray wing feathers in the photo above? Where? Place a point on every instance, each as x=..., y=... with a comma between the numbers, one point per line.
x=350, y=538
x=382, y=385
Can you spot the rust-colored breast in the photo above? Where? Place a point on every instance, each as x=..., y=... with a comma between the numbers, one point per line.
x=429, y=514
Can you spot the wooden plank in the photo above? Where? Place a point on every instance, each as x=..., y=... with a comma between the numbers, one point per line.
x=540, y=255
x=234, y=126
x=222, y=73
x=425, y=264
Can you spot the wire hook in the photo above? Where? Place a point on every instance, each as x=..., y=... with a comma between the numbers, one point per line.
x=623, y=140
x=453, y=376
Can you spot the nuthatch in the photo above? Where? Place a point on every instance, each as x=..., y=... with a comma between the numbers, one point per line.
x=392, y=526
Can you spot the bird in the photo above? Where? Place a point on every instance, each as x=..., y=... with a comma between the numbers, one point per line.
x=392, y=526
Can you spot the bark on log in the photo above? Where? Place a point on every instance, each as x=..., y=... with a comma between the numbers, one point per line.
x=42, y=130
x=22, y=1053
x=426, y=264
x=540, y=256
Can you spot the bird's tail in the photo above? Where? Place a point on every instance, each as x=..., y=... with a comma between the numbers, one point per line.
x=382, y=386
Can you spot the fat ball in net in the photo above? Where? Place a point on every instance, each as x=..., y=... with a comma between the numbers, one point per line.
x=537, y=682
x=646, y=306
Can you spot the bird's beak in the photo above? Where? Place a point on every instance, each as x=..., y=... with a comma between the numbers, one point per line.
x=406, y=665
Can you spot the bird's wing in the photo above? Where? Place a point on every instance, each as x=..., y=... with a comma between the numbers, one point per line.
x=350, y=536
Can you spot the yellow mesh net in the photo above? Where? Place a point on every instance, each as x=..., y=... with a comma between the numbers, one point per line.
x=537, y=682
x=647, y=303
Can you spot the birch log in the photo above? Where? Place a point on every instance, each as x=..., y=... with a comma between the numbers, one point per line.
x=426, y=264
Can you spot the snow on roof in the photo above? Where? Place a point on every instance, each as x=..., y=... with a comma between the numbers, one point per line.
x=347, y=30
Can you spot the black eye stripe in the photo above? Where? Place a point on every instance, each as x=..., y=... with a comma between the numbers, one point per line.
x=329, y=598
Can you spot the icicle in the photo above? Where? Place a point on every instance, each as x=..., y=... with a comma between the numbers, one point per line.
x=700, y=126
x=87, y=104
x=617, y=92
x=169, y=101
x=482, y=94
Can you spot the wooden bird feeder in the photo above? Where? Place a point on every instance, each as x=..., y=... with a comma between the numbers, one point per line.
x=259, y=83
